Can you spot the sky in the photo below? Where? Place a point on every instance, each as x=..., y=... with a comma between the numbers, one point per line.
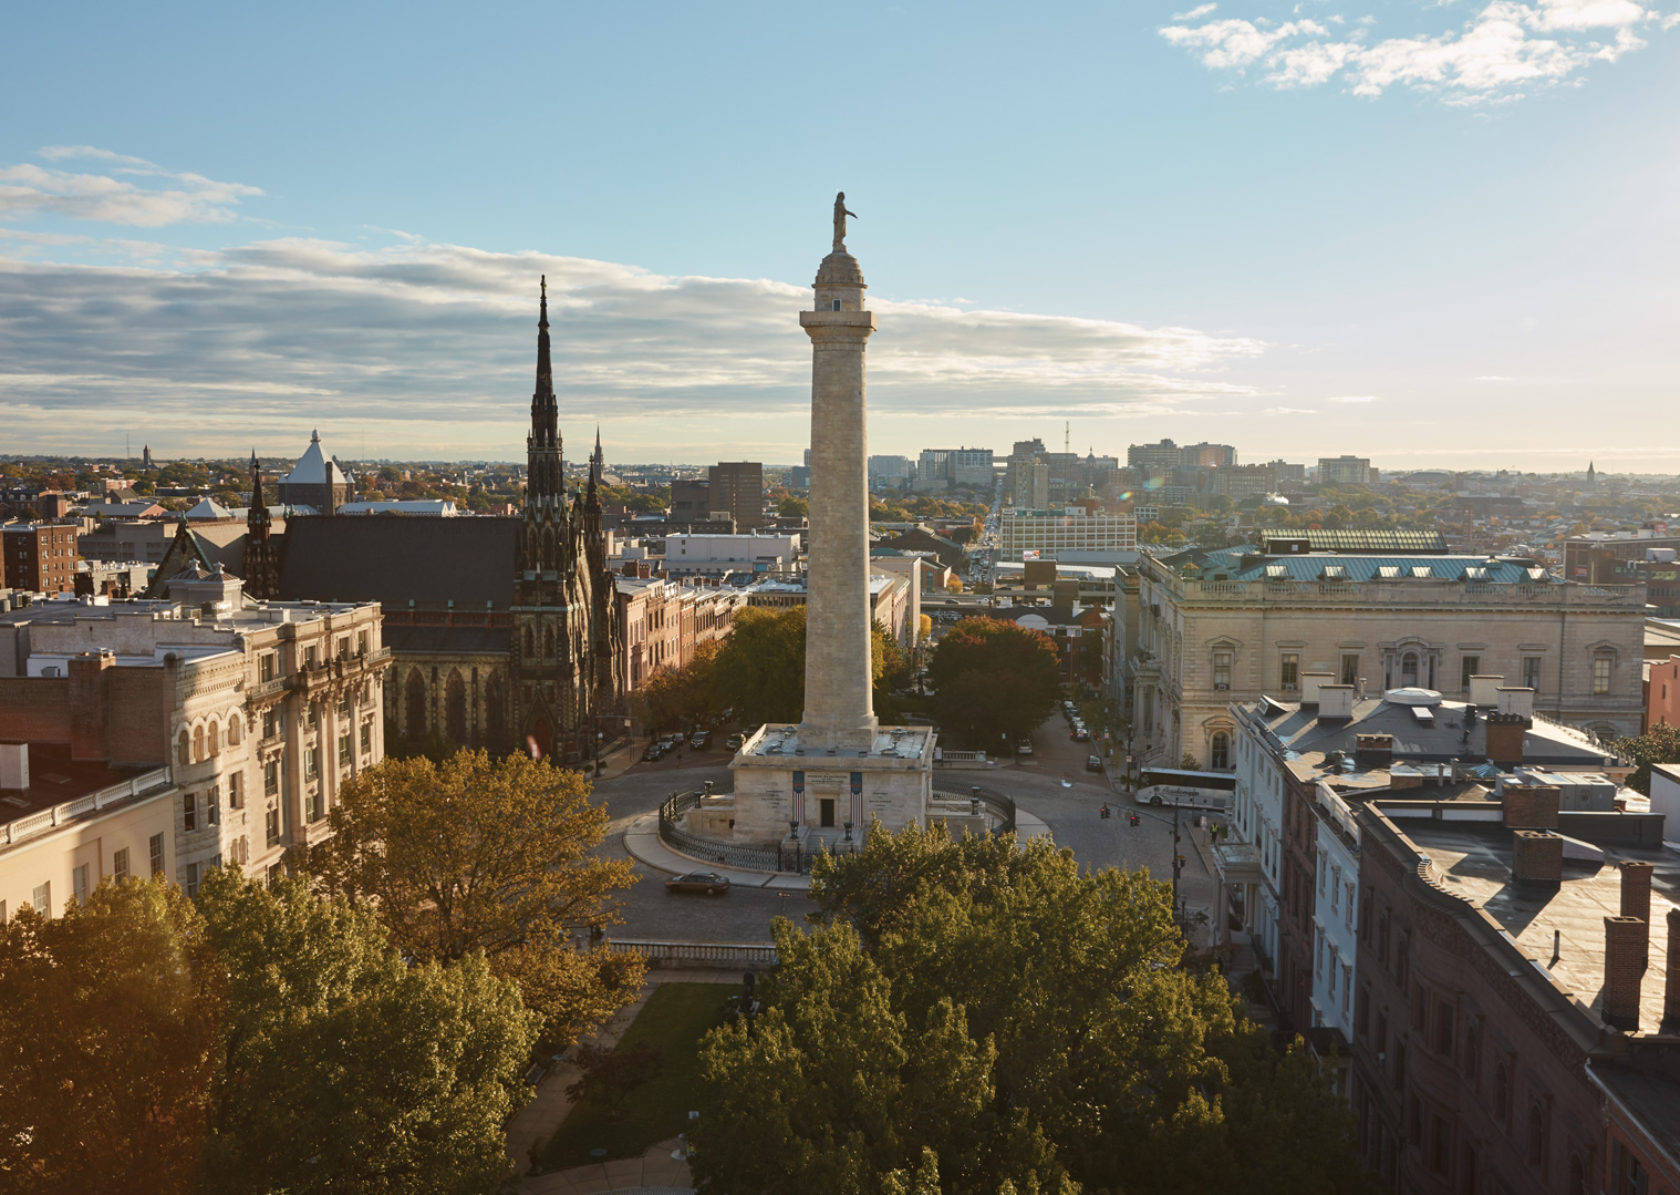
x=1439, y=233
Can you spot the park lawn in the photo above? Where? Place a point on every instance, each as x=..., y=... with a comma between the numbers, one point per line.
x=674, y=1019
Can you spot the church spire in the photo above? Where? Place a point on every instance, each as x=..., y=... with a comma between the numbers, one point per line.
x=543, y=483
x=261, y=571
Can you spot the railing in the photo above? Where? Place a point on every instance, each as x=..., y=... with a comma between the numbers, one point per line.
x=80, y=807
x=999, y=807
x=732, y=955
x=671, y=833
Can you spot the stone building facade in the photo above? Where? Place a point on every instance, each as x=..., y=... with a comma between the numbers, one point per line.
x=1235, y=624
x=256, y=714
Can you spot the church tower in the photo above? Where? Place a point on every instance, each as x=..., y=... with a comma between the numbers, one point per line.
x=262, y=573
x=562, y=602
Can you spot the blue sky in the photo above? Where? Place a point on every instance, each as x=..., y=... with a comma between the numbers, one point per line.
x=1434, y=233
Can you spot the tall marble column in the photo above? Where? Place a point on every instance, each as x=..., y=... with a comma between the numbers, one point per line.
x=839, y=701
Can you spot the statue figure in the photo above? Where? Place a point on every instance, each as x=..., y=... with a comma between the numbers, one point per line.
x=840, y=214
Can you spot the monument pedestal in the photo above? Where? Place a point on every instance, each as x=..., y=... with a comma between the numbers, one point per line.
x=780, y=780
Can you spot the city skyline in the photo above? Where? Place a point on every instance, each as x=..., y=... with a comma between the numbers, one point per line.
x=1397, y=269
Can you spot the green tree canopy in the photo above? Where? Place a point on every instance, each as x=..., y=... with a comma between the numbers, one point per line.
x=492, y=855
x=1028, y=1026
x=1660, y=744
x=760, y=670
x=992, y=678
x=257, y=1040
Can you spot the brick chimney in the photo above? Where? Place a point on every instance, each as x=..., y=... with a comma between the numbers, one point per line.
x=1671, y=987
x=1636, y=898
x=1624, y=968
x=1536, y=859
x=1505, y=738
x=1531, y=806
x=87, y=704
x=1373, y=750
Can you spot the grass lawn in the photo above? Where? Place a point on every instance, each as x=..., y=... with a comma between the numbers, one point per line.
x=674, y=1019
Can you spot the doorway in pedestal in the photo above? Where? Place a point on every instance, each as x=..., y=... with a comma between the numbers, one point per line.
x=825, y=810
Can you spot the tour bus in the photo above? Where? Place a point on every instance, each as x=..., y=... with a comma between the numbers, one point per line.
x=1190, y=790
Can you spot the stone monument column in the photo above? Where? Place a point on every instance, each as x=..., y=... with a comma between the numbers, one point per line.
x=839, y=697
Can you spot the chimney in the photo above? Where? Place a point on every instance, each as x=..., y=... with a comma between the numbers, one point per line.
x=1372, y=751
x=1484, y=691
x=1624, y=968
x=1530, y=806
x=1671, y=989
x=1536, y=859
x=1636, y=897
x=1335, y=702
x=1516, y=701
x=1311, y=682
x=1505, y=738
x=87, y=704
x=14, y=766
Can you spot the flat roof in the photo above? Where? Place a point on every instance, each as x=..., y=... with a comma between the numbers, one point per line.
x=780, y=740
x=55, y=778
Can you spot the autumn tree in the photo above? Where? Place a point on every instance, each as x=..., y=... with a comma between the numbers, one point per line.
x=110, y=1042
x=493, y=855
x=994, y=678
x=760, y=670
x=977, y=1016
x=680, y=697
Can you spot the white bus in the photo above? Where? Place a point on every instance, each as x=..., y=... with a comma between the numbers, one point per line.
x=1190, y=790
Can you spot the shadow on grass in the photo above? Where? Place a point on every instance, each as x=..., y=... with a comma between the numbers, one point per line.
x=670, y=1025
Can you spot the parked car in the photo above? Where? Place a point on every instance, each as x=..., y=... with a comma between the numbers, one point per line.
x=701, y=883
x=734, y=741
x=1080, y=735
x=653, y=752
x=1093, y=763
x=701, y=740
x=1024, y=747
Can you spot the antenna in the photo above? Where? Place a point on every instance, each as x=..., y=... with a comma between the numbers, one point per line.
x=1067, y=435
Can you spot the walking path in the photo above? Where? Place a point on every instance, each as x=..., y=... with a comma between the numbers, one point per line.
x=534, y=1124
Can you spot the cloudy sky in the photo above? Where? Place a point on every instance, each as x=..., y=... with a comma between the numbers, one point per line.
x=1432, y=232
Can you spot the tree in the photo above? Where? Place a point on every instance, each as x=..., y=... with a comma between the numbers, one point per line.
x=1659, y=744
x=110, y=1042
x=760, y=670
x=254, y=1040
x=793, y=508
x=680, y=697
x=493, y=855
x=345, y=1067
x=1030, y=1026
x=992, y=678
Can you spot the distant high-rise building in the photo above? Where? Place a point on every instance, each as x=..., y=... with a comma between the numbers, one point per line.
x=1209, y=456
x=1345, y=470
x=146, y=457
x=40, y=557
x=1155, y=460
x=738, y=487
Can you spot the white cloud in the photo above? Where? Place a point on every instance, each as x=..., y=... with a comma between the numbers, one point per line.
x=1195, y=14
x=1505, y=49
x=1354, y=398
x=165, y=197
x=429, y=349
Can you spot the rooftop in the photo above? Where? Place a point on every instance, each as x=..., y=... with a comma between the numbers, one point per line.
x=1472, y=861
x=1251, y=564
x=781, y=742
x=1358, y=540
x=55, y=778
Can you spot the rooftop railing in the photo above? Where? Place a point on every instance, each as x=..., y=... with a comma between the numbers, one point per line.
x=43, y=820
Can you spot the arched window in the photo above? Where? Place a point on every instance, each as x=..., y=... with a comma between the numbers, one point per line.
x=215, y=739
x=183, y=749
x=198, y=744
x=235, y=730
x=455, y=709
x=495, y=712
x=1409, y=669
x=1219, y=751
x=415, y=706
x=1536, y=1136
